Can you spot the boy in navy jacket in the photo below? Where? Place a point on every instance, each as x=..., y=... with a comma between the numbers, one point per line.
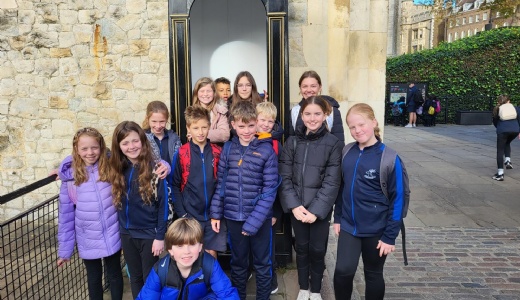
x=194, y=177
x=246, y=189
x=182, y=274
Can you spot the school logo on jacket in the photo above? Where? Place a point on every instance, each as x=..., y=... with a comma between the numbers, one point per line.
x=370, y=174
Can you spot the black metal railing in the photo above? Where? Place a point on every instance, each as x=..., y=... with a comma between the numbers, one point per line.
x=29, y=252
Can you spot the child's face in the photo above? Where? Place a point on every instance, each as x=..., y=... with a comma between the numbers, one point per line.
x=223, y=90
x=88, y=149
x=245, y=131
x=205, y=95
x=185, y=255
x=313, y=117
x=199, y=131
x=244, y=88
x=131, y=146
x=264, y=123
x=157, y=123
x=362, y=129
x=310, y=87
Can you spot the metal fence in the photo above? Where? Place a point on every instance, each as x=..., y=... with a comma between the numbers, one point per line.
x=28, y=254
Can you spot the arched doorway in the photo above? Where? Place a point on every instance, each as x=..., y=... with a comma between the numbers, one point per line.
x=264, y=50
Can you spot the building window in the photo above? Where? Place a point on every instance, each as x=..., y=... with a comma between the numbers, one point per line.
x=451, y=23
x=475, y=31
x=477, y=18
x=470, y=20
x=414, y=49
x=469, y=32
x=420, y=33
x=483, y=28
x=484, y=16
x=464, y=21
x=505, y=24
x=498, y=14
x=415, y=34
x=456, y=36
x=462, y=34
x=457, y=23
x=449, y=37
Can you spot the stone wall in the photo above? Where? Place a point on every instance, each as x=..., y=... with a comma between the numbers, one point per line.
x=69, y=64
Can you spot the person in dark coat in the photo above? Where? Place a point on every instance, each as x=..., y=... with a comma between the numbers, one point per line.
x=310, y=85
x=310, y=167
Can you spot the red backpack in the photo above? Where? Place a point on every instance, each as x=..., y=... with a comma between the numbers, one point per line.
x=184, y=155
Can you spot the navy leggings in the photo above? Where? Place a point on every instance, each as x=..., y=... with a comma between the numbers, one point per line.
x=504, y=146
x=347, y=258
x=95, y=276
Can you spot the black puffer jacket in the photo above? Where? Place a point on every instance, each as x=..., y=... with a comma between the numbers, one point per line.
x=311, y=171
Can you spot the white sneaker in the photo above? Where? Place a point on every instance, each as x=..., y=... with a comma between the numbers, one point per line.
x=414, y=125
x=303, y=295
x=315, y=296
x=409, y=125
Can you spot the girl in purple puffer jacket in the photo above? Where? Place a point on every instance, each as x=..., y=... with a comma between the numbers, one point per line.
x=86, y=213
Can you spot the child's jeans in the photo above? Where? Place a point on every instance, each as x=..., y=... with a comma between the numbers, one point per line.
x=260, y=246
x=95, y=276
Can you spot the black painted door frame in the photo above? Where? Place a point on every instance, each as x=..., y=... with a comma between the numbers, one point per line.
x=278, y=81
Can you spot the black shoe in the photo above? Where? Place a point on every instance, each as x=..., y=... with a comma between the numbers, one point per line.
x=509, y=165
x=498, y=177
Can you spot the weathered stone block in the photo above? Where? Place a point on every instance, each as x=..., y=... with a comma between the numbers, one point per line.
x=135, y=6
x=131, y=64
x=69, y=66
x=62, y=128
x=8, y=87
x=60, y=52
x=58, y=102
x=68, y=17
x=67, y=39
x=17, y=42
x=24, y=66
x=152, y=29
x=139, y=47
x=26, y=17
x=46, y=66
x=87, y=16
x=157, y=10
x=145, y=81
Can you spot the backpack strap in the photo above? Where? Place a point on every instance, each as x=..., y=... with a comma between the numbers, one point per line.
x=268, y=192
x=184, y=154
x=216, y=150
x=207, y=268
x=162, y=269
x=227, y=146
x=71, y=190
x=346, y=149
x=387, y=165
x=275, y=147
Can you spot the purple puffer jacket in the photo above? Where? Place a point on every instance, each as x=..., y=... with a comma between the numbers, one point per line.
x=93, y=223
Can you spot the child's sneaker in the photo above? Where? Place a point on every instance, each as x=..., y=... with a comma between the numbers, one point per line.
x=409, y=125
x=303, y=295
x=413, y=125
x=509, y=165
x=498, y=177
x=315, y=296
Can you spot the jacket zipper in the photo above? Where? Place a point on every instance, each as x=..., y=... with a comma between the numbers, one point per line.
x=303, y=171
x=128, y=198
x=352, y=192
x=205, y=189
x=240, y=162
x=101, y=210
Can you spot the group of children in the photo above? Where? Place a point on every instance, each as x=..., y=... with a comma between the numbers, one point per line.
x=225, y=193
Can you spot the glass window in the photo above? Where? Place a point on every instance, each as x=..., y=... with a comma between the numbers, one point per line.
x=462, y=34
x=470, y=20
x=484, y=16
x=469, y=32
x=449, y=37
x=464, y=21
x=477, y=18
x=451, y=23
x=456, y=36
x=475, y=31
x=457, y=22
x=498, y=14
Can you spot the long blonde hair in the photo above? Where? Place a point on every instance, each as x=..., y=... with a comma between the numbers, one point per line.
x=200, y=84
x=367, y=111
x=78, y=165
x=119, y=163
x=155, y=107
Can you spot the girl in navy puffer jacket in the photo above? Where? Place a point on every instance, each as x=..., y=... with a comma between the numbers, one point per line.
x=86, y=214
x=310, y=167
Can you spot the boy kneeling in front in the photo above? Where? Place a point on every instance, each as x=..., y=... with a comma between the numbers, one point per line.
x=188, y=272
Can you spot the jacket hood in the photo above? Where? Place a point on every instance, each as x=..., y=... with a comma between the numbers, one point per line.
x=220, y=107
x=262, y=137
x=329, y=99
x=65, y=169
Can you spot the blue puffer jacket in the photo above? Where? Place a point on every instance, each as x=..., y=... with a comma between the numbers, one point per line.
x=250, y=187
x=194, y=286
